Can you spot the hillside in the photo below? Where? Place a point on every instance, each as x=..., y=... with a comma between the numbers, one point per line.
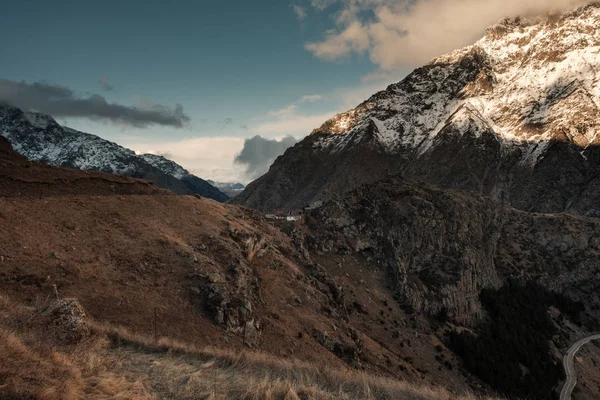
x=348, y=290
x=514, y=279
x=40, y=138
x=209, y=275
x=513, y=116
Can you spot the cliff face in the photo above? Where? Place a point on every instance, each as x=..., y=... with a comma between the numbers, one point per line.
x=442, y=247
x=513, y=117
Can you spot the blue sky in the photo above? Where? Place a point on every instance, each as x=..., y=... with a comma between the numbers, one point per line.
x=238, y=68
x=233, y=65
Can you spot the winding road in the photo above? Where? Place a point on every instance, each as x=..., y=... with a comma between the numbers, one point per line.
x=571, y=381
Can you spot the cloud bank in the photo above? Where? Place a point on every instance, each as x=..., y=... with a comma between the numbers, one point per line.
x=396, y=33
x=258, y=154
x=60, y=101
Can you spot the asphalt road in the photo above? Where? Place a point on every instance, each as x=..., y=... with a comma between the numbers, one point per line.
x=571, y=381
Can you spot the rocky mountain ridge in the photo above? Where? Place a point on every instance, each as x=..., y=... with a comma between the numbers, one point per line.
x=442, y=247
x=40, y=138
x=512, y=117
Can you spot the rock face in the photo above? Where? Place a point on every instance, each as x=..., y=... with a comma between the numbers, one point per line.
x=67, y=320
x=442, y=247
x=514, y=117
x=40, y=138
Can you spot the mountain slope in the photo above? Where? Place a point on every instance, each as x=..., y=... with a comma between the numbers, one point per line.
x=40, y=138
x=515, y=117
x=192, y=182
x=25, y=179
x=511, y=280
x=207, y=274
x=362, y=285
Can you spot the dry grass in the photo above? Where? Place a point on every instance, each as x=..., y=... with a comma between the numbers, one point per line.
x=116, y=364
x=183, y=371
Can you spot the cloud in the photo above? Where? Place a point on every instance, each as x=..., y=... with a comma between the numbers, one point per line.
x=166, y=154
x=397, y=33
x=206, y=157
x=300, y=125
x=284, y=111
x=300, y=12
x=322, y=4
x=258, y=153
x=60, y=101
x=310, y=98
x=105, y=84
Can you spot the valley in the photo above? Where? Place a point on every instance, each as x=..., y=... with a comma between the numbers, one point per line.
x=439, y=241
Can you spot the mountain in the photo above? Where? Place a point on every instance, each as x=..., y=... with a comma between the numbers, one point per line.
x=194, y=184
x=393, y=279
x=40, y=138
x=21, y=178
x=229, y=188
x=504, y=275
x=212, y=281
x=514, y=117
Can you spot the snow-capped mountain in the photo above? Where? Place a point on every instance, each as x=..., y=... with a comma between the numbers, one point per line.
x=167, y=166
x=514, y=116
x=229, y=188
x=40, y=138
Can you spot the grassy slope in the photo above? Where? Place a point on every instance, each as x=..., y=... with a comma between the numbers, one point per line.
x=113, y=363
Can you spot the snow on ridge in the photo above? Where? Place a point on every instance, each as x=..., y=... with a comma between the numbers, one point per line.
x=528, y=73
x=40, y=138
x=164, y=164
x=39, y=120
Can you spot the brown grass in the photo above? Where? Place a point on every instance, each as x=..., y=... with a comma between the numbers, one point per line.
x=116, y=364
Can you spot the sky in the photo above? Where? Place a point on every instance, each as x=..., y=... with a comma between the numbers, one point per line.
x=223, y=87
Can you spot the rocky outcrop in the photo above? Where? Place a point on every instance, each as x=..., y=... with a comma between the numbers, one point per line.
x=67, y=320
x=514, y=117
x=442, y=247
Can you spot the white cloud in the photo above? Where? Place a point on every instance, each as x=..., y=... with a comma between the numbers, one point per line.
x=310, y=98
x=206, y=157
x=295, y=125
x=403, y=32
x=284, y=111
x=300, y=12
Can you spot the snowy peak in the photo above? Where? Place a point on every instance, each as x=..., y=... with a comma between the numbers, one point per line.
x=40, y=138
x=521, y=74
x=514, y=116
x=40, y=120
x=165, y=165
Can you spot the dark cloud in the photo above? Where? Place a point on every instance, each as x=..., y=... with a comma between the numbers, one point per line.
x=105, y=84
x=259, y=153
x=60, y=101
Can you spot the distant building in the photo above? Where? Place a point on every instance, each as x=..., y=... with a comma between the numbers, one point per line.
x=293, y=218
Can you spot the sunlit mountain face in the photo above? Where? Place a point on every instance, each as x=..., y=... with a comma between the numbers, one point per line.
x=513, y=116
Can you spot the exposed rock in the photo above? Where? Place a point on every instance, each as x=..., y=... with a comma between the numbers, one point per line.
x=68, y=320
x=442, y=247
